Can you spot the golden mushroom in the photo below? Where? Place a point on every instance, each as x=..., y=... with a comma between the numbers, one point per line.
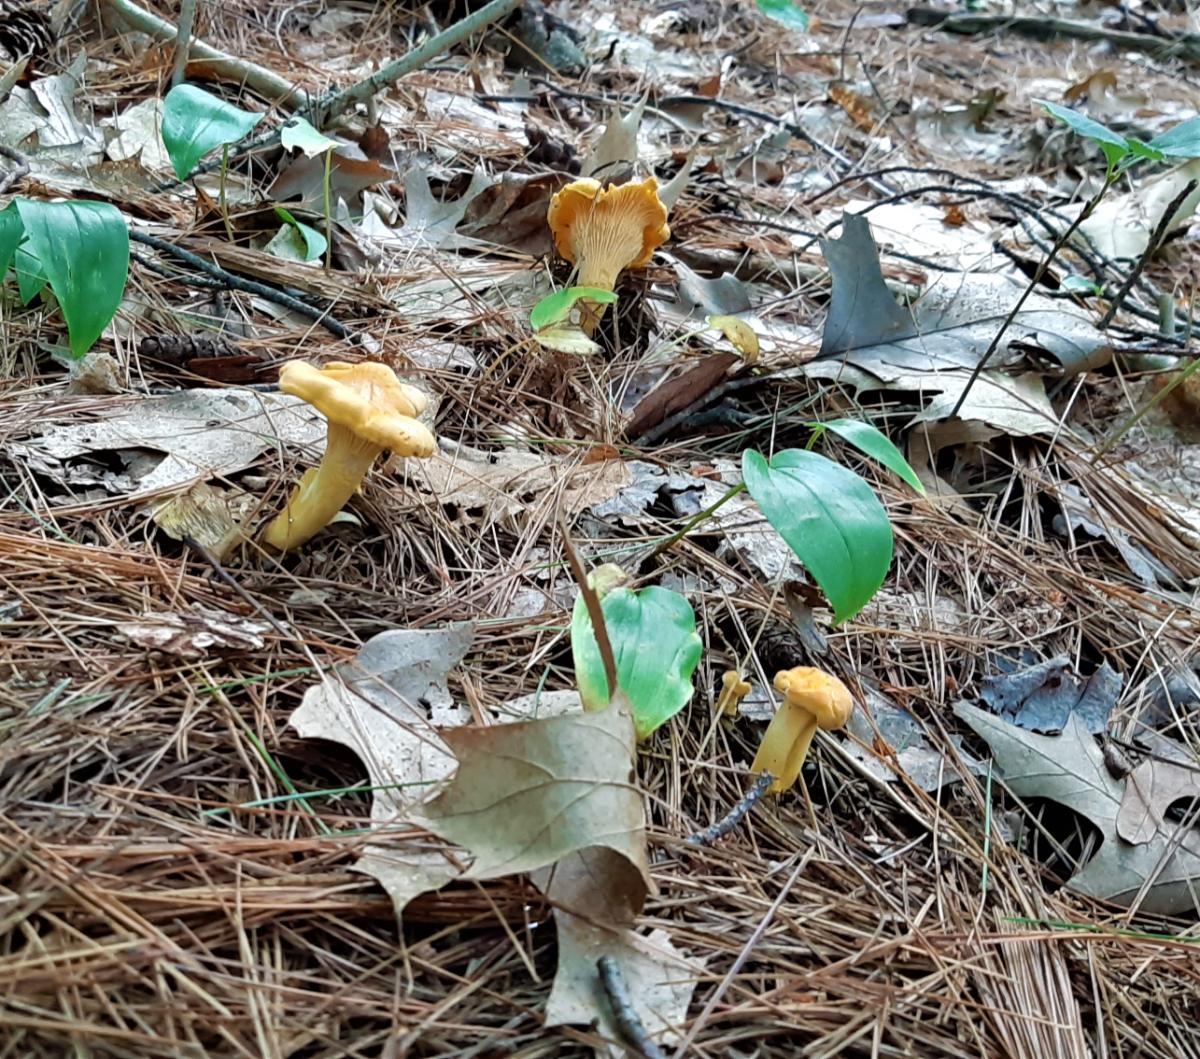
x=733, y=690
x=812, y=699
x=604, y=230
x=368, y=410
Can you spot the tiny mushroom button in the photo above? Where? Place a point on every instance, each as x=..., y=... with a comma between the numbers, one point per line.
x=812, y=699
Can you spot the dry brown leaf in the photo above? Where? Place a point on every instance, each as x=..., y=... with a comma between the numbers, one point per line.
x=504, y=484
x=387, y=707
x=597, y=895
x=195, y=633
x=1150, y=790
x=530, y=793
x=857, y=109
x=304, y=178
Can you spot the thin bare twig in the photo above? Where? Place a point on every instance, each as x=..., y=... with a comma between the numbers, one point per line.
x=707, y=836
x=623, y=1010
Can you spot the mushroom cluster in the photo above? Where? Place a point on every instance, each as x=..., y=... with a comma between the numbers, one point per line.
x=367, y=410
x=604, y=230
x=812, y=699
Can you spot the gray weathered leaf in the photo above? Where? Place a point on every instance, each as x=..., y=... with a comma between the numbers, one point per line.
x=1160, y=876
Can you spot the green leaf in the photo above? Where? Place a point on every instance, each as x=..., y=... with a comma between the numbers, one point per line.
x=194, y=122
x=830, y=518
x=556, y=307
x=1093, y=130
x=83, y=248
x=1145, y=151
x=314, y=242
x=299, y=134
x=655, y=646
x=1082, y=285
x=1181, y=141
x=31, y=280
x=784, y=11
x=12, y=231
x=865, y=438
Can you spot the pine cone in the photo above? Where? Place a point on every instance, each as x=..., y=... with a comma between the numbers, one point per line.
x=24, y=29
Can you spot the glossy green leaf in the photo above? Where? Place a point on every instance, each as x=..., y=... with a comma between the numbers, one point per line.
x=830, y=518
x=314, y=242
x=1144, y=151
x=12, y=231
x=785, y=12
x=556, y=307
x=656, y=649
x=1086, y=126
x=83, y=248
x=298, y=134
x=867, y=439
x=1181, y=141
x=31, y=280
x=195, y=122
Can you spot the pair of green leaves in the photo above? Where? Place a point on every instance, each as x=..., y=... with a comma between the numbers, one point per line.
x=828, y=515
x=655, y=646
x=1179, y=143
x=79, y=249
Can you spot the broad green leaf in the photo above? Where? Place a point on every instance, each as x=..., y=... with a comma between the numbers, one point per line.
x=1085, y=126
x=31, y=280
x=314, y=242
x=830, y=518
x=194, y=122
x=11, y=234
x=83, y=248
x=786, y=12
x=878, y=446
x=655, y=646
x=298, y=134
x=1145, y=151
x=1181, y=141
x=1082, y=285
x=556, y=307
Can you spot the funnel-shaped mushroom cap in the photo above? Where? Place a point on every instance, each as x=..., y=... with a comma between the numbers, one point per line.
x=368, y=410
x=812, y=699
x=818, y=692
x=367, y=400
x=605, y=230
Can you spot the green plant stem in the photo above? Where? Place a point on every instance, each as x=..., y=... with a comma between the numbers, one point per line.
x=1110, y=178
x=224, y=204
x=328, y=211
x=695, y=521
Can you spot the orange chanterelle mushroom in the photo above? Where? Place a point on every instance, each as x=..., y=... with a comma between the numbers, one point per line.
x=605, y=230
x=368, y=410
x=812, y=699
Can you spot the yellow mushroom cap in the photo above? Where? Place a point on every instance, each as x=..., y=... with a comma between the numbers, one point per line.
x=367, y=399
x=604, y=230
x=733, y=690
x=812, y=699
x=818, y=692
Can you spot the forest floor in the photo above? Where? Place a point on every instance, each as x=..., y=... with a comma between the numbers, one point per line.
x=180, y=866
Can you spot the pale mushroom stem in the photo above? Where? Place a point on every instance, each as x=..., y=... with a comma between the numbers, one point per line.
x=323, y=490
x=796, y=758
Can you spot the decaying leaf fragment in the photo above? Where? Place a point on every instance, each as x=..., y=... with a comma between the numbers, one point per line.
x=1160, y=875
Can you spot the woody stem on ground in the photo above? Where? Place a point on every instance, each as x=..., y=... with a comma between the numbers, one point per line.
x=1109, y=179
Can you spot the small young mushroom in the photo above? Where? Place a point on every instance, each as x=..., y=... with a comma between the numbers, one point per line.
x=733, y=690
x=812, y=699
x=605, y=230
x=368, y=410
